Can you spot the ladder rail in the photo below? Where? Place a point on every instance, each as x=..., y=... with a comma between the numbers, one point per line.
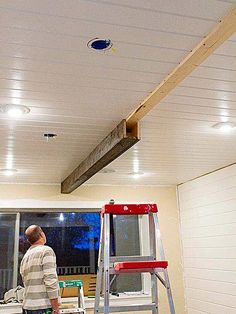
x=106, y=262
x=153, y=253
x=169, y=293
x=158, y=237
x=99, y=269
x=162, y=256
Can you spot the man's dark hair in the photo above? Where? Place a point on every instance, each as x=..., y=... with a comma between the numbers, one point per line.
x=33, y=233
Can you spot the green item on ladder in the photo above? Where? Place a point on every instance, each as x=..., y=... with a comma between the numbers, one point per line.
x=48, y=311
x=70, y=284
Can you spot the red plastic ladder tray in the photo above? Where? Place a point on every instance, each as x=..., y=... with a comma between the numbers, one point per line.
x=129, y=209
x=140, y=265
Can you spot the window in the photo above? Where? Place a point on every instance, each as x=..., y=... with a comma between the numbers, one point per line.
x=74, y=236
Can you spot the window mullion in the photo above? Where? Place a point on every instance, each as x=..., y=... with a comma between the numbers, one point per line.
x=16, y=250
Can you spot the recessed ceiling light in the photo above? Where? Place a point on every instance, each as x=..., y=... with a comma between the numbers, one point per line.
x=8, y=172
x=224, y=126
x=100, y=44
x=107, y=170
x=14, y=111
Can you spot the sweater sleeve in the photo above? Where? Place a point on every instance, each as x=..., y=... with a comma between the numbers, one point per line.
x=50, y=274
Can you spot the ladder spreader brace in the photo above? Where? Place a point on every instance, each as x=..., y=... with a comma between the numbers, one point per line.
x=116, y=265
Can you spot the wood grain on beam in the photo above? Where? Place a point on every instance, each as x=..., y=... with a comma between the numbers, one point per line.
x=218, y=36
x=114, y=145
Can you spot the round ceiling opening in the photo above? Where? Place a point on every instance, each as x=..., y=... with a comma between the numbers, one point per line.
x=100, y=44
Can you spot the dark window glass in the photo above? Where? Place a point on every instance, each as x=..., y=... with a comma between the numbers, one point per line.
x=126, y=230
x=7, y=236
x=73, y=236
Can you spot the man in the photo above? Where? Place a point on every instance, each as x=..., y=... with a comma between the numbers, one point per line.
x=38, y=271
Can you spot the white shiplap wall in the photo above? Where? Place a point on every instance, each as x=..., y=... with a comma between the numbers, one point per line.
x=208, y=227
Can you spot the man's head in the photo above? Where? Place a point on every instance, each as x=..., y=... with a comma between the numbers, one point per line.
x=35, y=235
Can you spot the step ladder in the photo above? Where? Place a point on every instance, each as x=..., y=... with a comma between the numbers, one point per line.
x=115, y=265
x=80, y=308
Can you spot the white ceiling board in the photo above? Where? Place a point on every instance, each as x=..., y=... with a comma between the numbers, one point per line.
x=213, y=84
x=82, y=95
x=26, y=63
x=86, y=111
x=191, y=8
x=105, y=12
x=206, y=93
x=105, y=24
x=228, y=48
x=214, y=74
x=136, y=37
x=208, y=111
x=199, y=101
x=57, y=87
x=125, y=51
x=63, y=78
x=221, y=62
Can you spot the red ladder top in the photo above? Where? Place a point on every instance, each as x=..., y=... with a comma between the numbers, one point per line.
x=148, y=265
x=129, y=209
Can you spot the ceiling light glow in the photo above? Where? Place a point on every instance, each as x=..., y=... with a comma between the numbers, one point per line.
x=136, y=165
x=8, y=172
x=136, y=174
x=14, y=111
x=9, y=161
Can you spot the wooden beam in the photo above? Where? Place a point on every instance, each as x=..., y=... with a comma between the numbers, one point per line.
x=114, y=145
x=217, y=37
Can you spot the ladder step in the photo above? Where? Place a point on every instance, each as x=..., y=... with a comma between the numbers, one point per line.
x=128, y=308
x=73, y=310
x=139, y=265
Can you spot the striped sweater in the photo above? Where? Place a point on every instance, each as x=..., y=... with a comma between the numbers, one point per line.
x=38, y=271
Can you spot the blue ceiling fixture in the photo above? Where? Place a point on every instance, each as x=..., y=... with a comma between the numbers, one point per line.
x=100, y=44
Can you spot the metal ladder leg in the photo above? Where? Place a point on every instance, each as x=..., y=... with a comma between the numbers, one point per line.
x=100, y=269
x=154, y=290
x=152, y=240
x=82, y=299
x=162, y=256
x=169, y=293
x=106, y=262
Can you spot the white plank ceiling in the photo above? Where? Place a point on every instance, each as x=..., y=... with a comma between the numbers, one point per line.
x=81, y=95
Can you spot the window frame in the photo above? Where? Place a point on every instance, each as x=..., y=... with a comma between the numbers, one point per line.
x=86, y=206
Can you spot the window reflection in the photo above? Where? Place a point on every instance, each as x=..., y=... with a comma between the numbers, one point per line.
x=73, y=236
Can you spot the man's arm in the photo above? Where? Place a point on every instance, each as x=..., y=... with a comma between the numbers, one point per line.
x=55, y=306
x=50, y=279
